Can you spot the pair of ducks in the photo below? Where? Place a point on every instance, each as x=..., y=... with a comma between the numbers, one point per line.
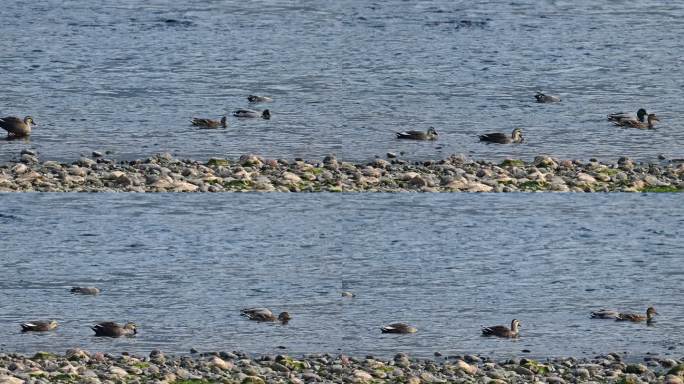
x=625, y=316
x=496, y=137
x=624, y=119
x=496, y=330
x=241, y=113
x=107, y=328
x=104, y=329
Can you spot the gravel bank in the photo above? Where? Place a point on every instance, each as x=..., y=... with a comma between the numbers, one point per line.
x=79, y=366
x=164, y=173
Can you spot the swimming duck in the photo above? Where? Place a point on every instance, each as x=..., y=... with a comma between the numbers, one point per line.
x=85, y=290
x=430, y=134
x=398, y=328
x=38, y=326
x=112, y=329
x=250, y=113
x=16, y=127
x=265, y=314
x=649, y=124
x=502, y=138
x=259, y=99
x=209, y=123
x=502, y=330
x=635, y=317
x=542, y=98
x=605, y=314
x=620, y=116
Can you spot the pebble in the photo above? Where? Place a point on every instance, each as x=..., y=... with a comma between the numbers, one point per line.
x=240, y=368
x=164, y=173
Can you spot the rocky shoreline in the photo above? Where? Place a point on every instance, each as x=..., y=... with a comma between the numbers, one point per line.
x=79, y=366
x=164, y=173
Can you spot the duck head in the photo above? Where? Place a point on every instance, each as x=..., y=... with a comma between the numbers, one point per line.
x=284, y=317
x=223, y=121
x=650, y=312
x=131, y=327
x=517, y=135
x=515, y=325
x=266, y=114
x=432, y=131
x=28, y=120
x=641, y=113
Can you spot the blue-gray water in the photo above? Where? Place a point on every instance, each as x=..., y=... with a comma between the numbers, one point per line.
x=127, y=76
x=182, y=266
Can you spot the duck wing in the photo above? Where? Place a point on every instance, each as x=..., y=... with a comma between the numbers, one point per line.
x=34, y=325
x=619, y=116
x=497, y=330
x=496, y=137
x=10, y=123
x=199, y=121
x=630, y=317
x=410, y=135
x=246, y=113
x=604, y=314
x=396, y=328
x=259, y=314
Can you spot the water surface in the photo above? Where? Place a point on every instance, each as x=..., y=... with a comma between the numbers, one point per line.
x=127, y=76
x=181, y=267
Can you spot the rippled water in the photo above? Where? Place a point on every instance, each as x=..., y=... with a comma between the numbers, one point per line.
x=126, y=76
x=182, y=267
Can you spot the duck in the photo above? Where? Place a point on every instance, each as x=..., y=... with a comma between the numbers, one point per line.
x=112, y=329
x=620, y=116
x=265, y=314
x=38, y=326
x=502, y=138
x=85, y=290
x=649, y=124
x=605, y=314
x=259, y=99
x=636, y=318
x=543, y=98
x=17, y=127
x=250, y=113
x=399, y=328
x=430, y=134
x=502, y=330
x=209, y=123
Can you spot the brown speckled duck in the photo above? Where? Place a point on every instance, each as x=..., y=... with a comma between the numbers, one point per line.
x=636, y=318
x=502, y=138
x=398, y=328
x=38, y=326
x=265, y=314
x=112, y=329
x=17, y=127
x=430, y=134
x=502, y=330
x=649, y=124
x=209, y=123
